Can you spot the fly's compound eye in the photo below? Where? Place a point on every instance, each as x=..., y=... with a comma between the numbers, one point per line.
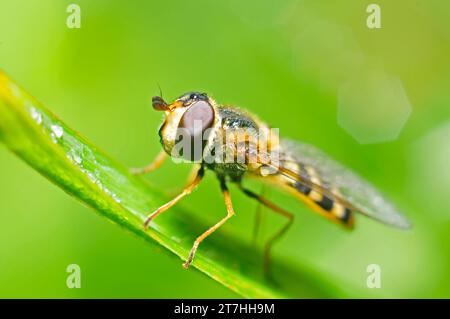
x=197, y=118
x=195, y=121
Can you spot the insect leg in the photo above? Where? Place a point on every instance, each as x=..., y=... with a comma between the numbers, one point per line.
x=156, y=163
x=190, y=178
x=258, y=218
x=230, y=213
x=186, y=191
x=281, y=232
x=192, y=174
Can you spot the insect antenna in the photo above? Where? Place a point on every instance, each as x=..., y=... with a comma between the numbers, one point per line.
x=158, y=102
x=160, y=90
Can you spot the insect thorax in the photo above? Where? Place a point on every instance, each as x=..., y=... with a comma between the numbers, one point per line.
x=234, y=133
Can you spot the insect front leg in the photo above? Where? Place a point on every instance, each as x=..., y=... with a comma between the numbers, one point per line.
x=230, y=213
x=192, y=174
x=186, y=191
x=156, y=163
x=276, y=236
x=190, y=178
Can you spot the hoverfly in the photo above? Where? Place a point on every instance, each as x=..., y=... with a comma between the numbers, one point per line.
x=299, y=169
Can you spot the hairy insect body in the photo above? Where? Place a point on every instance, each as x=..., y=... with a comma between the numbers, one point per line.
x=236, y=123
x=236, y=135
x=234, y=144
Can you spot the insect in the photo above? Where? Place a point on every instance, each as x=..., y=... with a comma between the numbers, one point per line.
x=252, y=150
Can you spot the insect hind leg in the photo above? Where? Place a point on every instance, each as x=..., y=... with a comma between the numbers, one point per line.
x=258, y=219
x=277, y=235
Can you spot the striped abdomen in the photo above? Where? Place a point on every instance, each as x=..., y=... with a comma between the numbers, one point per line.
x=326, y=206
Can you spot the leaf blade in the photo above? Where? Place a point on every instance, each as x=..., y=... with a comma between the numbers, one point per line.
x=67, y=159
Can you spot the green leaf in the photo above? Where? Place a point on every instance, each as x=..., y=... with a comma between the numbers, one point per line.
x=82, y=170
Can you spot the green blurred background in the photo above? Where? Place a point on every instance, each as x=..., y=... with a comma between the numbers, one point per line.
x=285, y=60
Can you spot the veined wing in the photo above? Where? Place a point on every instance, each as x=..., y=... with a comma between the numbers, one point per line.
x=339, y=183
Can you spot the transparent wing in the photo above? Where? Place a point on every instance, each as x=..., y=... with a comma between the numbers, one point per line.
x=357, y=193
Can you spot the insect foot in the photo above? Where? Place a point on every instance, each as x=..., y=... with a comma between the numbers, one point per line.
x=188, y=262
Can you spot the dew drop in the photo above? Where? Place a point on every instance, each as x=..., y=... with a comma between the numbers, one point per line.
x=57, y=130
x=76, y=158
x=116, y=199
x=35, y=115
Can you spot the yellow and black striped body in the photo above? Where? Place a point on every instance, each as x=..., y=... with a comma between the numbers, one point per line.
x=308, y=174
x=231, y=120
x=316, y=200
